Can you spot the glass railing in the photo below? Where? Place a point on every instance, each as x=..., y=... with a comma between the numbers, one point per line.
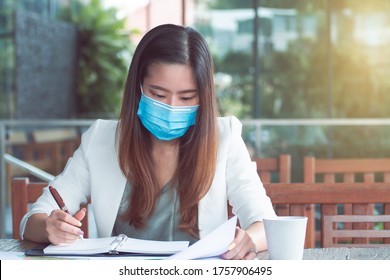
x=38, y=149
x=322, y=138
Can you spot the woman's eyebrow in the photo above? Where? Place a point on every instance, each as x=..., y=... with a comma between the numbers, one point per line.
x=187, y=91
x=167, y=90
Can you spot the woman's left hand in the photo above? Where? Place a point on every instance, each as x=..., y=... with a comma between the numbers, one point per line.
x=242, y=247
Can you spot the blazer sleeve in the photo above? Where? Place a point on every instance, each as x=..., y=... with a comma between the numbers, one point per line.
x=245, y=190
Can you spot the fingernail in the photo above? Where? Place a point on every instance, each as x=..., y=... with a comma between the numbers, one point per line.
x=232, y=246
x=80, y=233
x=79, y=224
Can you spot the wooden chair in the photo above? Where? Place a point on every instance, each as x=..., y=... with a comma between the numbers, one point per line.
x=328, y=196
x=342, y=170
x=332, y=234
x=273, y=169
x=281, y=166
x=25, y=192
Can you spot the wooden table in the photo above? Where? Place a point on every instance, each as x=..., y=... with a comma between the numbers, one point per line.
x=7, y=245
x=382, y=253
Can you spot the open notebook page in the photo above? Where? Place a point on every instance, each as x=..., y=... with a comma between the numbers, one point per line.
x=122, y=244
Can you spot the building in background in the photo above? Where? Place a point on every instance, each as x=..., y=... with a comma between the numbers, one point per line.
x=146, y=14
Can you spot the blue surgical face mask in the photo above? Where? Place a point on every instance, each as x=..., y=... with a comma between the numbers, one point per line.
x=165, y=122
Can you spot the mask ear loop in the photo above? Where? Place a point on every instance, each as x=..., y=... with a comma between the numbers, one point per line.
x=140, y=86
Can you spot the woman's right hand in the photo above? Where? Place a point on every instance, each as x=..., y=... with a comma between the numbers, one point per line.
x=62, y=227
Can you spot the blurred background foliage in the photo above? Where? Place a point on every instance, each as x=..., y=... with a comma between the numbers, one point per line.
x=295, y=83
x=330, y=67
x=104, y=48
x=335, y=73
x=312, y=77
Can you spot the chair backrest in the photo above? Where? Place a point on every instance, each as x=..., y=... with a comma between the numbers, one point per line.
x=334, y=230
x=328, y=196
x=267, y=167
x=347, y=169
x=24, y=193
x=277, y=169
x=344, y=170
x=281, y=166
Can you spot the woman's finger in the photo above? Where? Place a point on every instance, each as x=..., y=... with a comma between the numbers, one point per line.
x=80, y=214
x=242, y=247
x=62, y=227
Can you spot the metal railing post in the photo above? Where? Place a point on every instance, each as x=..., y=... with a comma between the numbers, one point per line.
x=258, y=139
x=2, y=180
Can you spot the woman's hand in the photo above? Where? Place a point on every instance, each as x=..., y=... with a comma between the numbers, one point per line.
x=64, y=228
x=242, y=247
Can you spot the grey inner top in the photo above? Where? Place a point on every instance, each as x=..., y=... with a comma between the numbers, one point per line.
x=162, y=225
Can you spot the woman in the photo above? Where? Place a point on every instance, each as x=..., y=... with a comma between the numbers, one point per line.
x=166, y=170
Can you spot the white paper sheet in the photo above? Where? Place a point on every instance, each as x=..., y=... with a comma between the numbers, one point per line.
x=212, y=245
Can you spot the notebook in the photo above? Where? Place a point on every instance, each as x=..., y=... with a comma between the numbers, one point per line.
x=120, y=244
x=211, y=246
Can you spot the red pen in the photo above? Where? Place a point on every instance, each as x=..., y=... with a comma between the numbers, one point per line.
x=60, y=202
x=58, y=199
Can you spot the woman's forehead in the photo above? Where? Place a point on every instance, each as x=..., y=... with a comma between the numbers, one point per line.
x=170, y=76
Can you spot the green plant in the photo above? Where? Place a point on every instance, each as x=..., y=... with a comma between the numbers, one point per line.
x=103, y=51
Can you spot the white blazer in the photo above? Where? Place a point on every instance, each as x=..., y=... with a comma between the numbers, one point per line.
x=94, y=172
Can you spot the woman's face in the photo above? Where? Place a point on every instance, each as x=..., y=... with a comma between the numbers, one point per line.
x=172, y=84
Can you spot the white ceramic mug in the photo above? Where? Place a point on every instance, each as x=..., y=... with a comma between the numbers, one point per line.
x=285, y=237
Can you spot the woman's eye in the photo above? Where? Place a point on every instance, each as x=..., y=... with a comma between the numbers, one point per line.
x=187, y=98
x=158, y=95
